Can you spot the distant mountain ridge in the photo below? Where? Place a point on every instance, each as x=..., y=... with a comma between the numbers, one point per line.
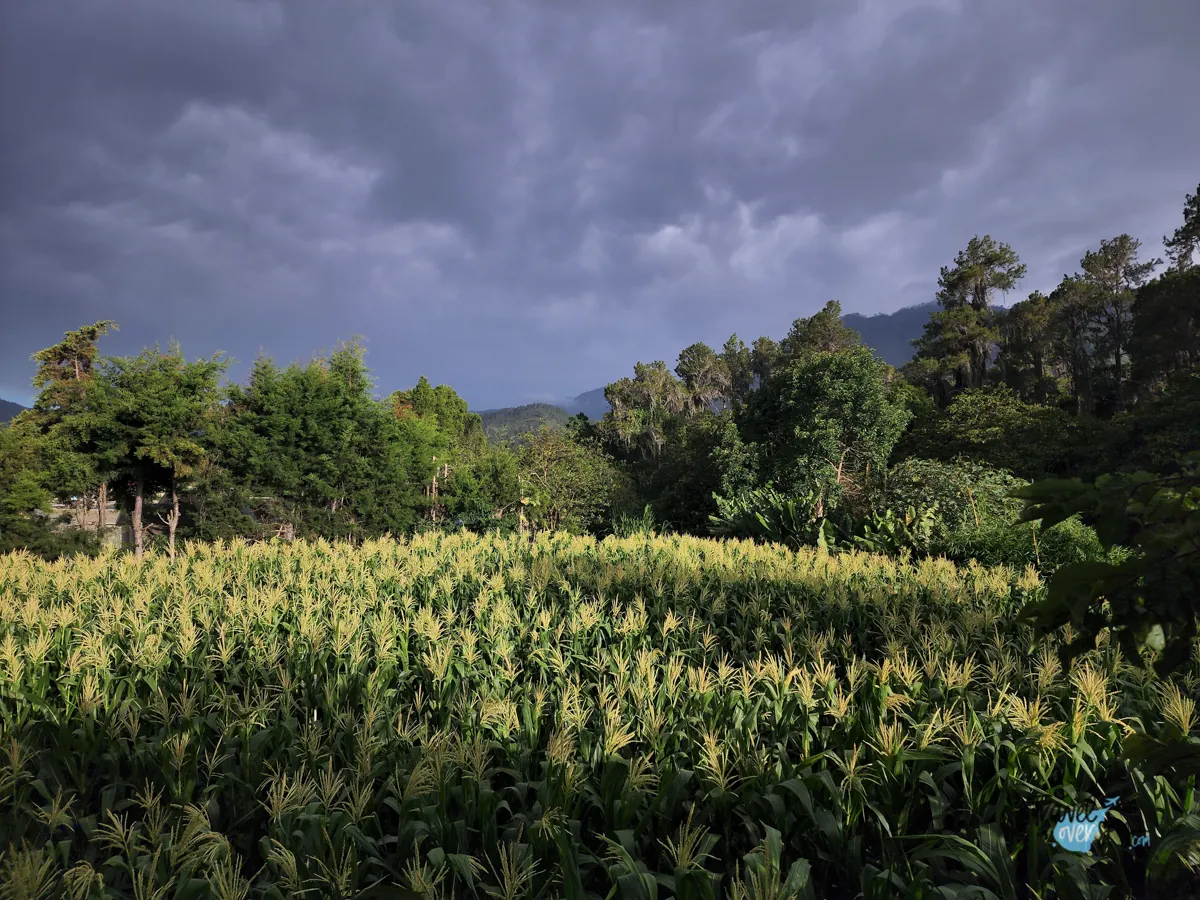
x=590, y=403
x=9, y=410
x=890, y=335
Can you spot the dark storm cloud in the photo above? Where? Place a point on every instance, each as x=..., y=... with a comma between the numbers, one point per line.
x=523, y=198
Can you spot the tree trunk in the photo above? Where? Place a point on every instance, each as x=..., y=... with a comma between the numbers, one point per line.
x=101, y=509
x=173, y=519
x=136, y=518
x=433, y=494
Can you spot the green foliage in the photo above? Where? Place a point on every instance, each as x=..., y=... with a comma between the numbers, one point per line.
x=145, y=415
x=219, y=506
x=737, y=358
x=702, y=455
x=149, y=411
x=442, y=408
x=823, y=332
x=705, y=375
x=326, y=457
x=21, y=470
x=1111, y=278
x=893, y=533
x=65, y=369
x=626, y=525
x=994, y=426
x=962, y=511
x=1030, y=358
x=1165, y=339
x=765, y=514
x=977, y=514
x=1083, y=346
x=764, y=355
x=582, y=429
x=1021, y=544
x=483, y=489
x=1153, y=434
x=966, y=493
x=1149, y=597
x=642, y=408
x=67, y=412
x=26, y=518
x=569, y=486
x=822, y=423
x=1099, y=375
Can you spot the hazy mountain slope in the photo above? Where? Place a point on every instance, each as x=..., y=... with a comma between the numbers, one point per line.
x=590, y=403
x=891, y=334
x=513, y=421
x=9, y=410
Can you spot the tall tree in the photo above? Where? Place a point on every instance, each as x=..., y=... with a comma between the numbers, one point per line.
x=954, y=352
x=703, y=455
x=66, y=367
x=823, y=423
x=1072, y=326
x=1028, y=359
x=1112, y=276
x=1165, y=339
x=23, y=493
x=641, y=408
x=455, y=432
x=567, y=485
x=705, y=377
x=764, y=354
x=823, y=332
x=65, y=373
x=1182, y=245
x=736, y=356
x=325, y=457
x=151, y=410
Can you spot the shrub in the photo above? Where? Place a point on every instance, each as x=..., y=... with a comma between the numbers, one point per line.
x=626, y=524
x=892, y=533
x=967, y=494
x=764, y=514
x=1022, y=544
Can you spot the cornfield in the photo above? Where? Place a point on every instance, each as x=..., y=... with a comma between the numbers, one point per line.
x=463, y=716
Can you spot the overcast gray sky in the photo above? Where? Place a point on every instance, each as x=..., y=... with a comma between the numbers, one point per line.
x=521, y=199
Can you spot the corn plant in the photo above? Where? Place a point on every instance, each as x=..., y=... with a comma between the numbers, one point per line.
x=457, y=715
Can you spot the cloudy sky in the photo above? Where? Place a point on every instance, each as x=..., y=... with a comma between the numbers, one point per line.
x=523, y=198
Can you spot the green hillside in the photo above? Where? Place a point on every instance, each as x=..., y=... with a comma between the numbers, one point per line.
x=9, y=410
x=513, y=421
